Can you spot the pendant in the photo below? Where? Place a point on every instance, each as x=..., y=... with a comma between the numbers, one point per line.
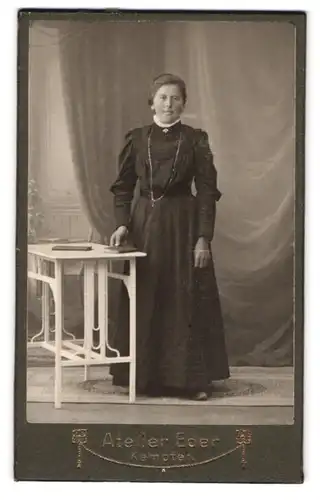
x=165, y=130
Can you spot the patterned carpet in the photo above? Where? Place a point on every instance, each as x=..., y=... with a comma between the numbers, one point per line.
x=247, y=386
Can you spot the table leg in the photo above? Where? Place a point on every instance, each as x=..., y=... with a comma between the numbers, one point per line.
x=88, y=311
x=102, y=307
x=58, y=296
x=132, y=299
x=46, y=305
x=41, y=267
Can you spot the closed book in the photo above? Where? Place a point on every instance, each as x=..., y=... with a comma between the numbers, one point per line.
x=73, y=248
x=121, y=249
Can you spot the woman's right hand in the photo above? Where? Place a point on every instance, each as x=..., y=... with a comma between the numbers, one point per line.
x=119, y=236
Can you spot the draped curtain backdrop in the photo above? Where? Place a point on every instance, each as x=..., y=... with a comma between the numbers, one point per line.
x=240, y=79
x=102, y=69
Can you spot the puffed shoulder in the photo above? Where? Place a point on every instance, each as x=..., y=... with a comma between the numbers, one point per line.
x=132, y=135
x=201, y=143
x=128, y=136
x=129, y=141
x=201, y=136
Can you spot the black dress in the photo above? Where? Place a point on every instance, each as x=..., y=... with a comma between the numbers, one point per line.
x=180, y=336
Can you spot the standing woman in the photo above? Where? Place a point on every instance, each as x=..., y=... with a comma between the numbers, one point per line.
x=180, y=336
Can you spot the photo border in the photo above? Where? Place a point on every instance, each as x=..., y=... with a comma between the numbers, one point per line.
x=255, y=453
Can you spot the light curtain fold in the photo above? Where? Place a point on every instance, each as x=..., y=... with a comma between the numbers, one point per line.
x=242, y=93
x=87, y=92
x=99, y=64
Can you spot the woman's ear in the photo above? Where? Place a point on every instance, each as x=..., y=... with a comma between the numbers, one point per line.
x=152, y=107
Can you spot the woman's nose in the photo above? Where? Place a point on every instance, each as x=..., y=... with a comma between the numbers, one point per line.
x=168, y=103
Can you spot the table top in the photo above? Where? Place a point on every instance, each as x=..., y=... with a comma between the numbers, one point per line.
x=98, y=252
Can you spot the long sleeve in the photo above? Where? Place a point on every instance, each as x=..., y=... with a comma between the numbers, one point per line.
x=206, y=186
x=123, y=187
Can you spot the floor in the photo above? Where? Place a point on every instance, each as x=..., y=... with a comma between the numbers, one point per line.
x=94, y=413
x=253, y=395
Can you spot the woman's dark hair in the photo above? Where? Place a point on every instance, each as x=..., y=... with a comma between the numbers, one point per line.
x=167, y=79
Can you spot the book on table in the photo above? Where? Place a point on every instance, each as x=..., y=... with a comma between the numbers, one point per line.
x=72, y=248
x=121, y=249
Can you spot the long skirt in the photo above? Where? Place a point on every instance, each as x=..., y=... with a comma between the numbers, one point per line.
x=180, y=334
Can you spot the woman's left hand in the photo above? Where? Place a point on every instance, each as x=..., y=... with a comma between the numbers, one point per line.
x=202, y=253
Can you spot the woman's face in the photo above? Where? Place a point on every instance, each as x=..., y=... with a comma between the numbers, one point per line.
x=168, y=103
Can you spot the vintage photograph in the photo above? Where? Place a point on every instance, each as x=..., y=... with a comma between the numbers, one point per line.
x=161, y=221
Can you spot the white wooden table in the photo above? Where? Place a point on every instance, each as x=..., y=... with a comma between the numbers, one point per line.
x=72, y=352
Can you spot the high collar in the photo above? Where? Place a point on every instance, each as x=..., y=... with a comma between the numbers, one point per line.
x=164, y=125
x=167, y=132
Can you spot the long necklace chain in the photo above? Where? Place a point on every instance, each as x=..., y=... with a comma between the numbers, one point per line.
x=153, y=199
